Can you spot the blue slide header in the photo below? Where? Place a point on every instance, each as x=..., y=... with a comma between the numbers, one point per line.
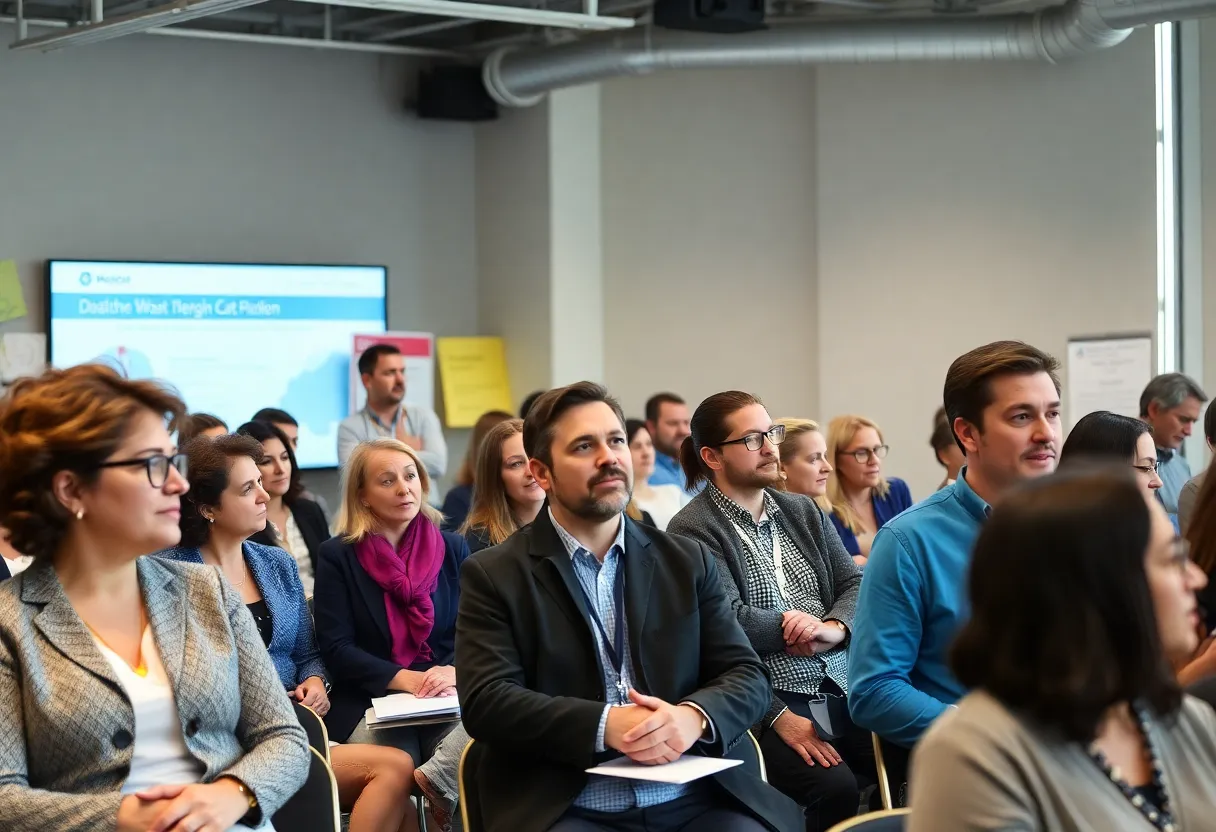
x=198, y=307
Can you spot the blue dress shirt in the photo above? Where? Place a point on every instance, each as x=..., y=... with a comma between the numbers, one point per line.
x=1175, y=472
x=668, y=471
x=912, y=603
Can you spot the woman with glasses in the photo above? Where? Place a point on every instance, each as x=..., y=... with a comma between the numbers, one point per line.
x=135, y=688
x=225, y=507
x=1109, y=437
x=1081, y=597
x=860, y=499
x=295, y=523
x=804, y=458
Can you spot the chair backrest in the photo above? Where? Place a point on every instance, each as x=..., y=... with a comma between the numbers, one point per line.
x=888, y=820
x=314, y=808
x=470, y=810
x=892, y=763
x=314, y=726
x=884, y=783
x=748, y=750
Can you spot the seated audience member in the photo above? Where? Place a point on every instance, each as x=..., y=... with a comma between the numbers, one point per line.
x=1201, y=537
x=1190, y=491
x=859, y=497
x=223, y=508
x=945, y=449
x=528, y=401
x=667, y=424
x=199, y=424
x=382, y=371
x=1003, y=400
x=285, y=422
x=386, y=595
x=509, y=497
x=134, y=688
x=460, y=496
x=587, y=636
x=1170, y=404
x=13, y=563
x=803, y=459
x=295, y=523
x=1081, y=596
x=1103, y=436
x=793, y=587
x=661, y=502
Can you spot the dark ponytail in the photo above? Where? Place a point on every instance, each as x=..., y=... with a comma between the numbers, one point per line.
x=708, y=430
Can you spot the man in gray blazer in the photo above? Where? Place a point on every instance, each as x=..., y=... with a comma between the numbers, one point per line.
x=794, y=588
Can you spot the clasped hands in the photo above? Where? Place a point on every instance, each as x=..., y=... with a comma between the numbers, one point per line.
x=196, y=807
x=651, y=731
x=806, y=635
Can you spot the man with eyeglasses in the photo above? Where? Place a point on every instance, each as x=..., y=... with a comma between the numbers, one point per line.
x=1002, y=401
x=794, y=588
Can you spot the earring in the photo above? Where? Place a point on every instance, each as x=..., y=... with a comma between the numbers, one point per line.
x=210, y=519
x=79, y=514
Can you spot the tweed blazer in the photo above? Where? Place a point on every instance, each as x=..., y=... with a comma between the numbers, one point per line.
x=67, y=727
x=293, y=645
x=839, y=577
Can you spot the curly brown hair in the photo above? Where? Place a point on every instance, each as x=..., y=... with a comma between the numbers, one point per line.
x=64, y=420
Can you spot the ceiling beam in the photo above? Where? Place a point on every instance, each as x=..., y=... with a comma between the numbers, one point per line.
x=489, y=11
x=178, y=11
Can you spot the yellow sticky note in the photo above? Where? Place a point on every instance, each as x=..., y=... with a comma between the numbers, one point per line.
x=473, y=372
x=12, y=301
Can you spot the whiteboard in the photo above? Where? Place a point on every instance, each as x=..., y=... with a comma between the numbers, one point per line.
x=1108, y=373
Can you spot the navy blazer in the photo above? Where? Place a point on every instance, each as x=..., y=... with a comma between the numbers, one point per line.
x=293, y=646
x=352, y=627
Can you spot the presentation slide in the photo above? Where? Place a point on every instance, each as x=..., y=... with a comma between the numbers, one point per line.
x=231, y=338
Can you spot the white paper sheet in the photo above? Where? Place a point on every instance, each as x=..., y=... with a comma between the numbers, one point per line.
x=1108, y=374
x=406, y=705
x=22, y=354
x=688, y=768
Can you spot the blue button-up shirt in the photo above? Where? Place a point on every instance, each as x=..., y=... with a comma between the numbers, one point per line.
x=667, y=471
x=610, y=794
x=1175, y=472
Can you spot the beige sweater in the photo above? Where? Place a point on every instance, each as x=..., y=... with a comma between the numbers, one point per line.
x=983, y=768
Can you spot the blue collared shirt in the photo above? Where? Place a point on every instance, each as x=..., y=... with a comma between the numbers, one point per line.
x=667, y=471
x=1175, y=472
x=912, y=603
x=610, y=794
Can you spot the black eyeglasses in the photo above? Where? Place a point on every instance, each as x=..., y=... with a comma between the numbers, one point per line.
x=863, y=455
x=156, y=466
x=754, y=441
x=1148, y=468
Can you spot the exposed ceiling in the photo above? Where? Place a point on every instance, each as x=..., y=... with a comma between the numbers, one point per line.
x=428, y=28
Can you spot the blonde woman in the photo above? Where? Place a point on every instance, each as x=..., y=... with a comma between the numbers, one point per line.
x=507, y=496
x=459, y=499
x=803, y=458
x=386, y=595
x=859, y=498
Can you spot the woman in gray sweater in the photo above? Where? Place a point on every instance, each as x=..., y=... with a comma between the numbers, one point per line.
x=1081, y=596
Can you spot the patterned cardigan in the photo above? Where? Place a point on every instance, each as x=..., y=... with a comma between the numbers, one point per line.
x=839, y=577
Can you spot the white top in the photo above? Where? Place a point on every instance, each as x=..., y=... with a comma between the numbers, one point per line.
x=294, y=542
x=662, y=501
x=18, y=565
x=160, y=755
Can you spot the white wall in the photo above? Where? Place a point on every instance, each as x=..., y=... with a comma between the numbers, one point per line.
x=960, y=204
x=709, y=236
x=158, y=148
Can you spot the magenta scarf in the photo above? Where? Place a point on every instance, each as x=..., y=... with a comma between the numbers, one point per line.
x=408, y=576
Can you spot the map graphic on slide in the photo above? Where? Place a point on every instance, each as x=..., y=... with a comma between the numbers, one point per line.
x=304, y=398
x=131, y=363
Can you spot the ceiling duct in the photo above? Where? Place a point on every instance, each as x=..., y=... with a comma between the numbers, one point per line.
x=520, y=78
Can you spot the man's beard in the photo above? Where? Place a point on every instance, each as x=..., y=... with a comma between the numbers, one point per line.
x=590, y=507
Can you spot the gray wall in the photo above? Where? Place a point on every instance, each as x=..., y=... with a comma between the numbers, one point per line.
x=159, y=148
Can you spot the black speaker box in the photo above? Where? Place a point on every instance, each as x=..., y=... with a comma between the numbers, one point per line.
x=724, y=16
x=454, y=93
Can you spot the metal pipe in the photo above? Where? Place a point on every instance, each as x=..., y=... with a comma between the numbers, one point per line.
x=98, y=11
x=520, y=77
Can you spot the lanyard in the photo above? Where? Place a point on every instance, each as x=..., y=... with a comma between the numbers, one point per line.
x=778, y=566
x=614, y=647
x=387, y=430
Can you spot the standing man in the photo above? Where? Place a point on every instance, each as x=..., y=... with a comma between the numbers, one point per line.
x=667, y=424
x=1003, y=402
x=794, y=588
x=1170, y=404
x=587, y=637
x=382, y=371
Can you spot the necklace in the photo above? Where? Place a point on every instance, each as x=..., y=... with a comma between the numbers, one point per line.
x=244, y=576
x=141, y=667
x=1161, y=817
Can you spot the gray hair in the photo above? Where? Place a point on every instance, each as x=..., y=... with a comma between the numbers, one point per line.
x=1170, y=390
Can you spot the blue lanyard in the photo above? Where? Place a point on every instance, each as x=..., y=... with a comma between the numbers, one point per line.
x=614, y=647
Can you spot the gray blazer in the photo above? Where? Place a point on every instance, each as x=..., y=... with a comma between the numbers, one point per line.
x=67, y=728
x=839, y=577
x=983, y=768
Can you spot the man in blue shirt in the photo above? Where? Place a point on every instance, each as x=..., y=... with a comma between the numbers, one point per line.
x=1170, y=404
x=1003, y=402
x=667, y=423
